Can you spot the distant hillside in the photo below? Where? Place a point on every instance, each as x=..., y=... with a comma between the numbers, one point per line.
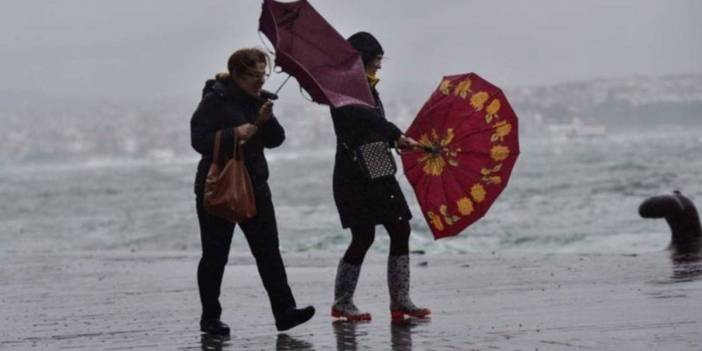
x=636, y=102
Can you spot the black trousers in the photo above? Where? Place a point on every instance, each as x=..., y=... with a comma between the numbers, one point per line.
x=261, y=233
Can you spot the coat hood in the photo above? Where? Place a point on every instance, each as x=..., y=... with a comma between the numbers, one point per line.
x=223, y=85
x=220, y=85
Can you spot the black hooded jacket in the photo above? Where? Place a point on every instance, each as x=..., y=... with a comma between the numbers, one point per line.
x=225, y=106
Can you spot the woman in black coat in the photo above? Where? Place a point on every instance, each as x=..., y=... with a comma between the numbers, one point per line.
x=234, y=104
x=363, y=203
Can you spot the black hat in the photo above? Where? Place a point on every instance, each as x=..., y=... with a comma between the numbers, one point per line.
x=367, y=45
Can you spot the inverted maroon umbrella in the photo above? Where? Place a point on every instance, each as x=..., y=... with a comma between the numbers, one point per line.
x=471, y=133
x=311, y=50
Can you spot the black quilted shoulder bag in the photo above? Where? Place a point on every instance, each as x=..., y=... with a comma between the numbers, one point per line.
x=375, y=160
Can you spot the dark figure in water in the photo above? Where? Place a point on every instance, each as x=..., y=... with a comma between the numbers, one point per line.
x=682, y=217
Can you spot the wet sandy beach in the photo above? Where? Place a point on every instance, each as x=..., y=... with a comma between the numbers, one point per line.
x=503, y=301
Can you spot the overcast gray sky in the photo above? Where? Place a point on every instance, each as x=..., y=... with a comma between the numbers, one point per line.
x=128, y=48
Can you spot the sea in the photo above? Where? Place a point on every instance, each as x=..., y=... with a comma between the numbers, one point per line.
x=104, y=175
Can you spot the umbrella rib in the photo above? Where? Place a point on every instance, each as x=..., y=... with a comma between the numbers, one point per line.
x=444, y=99
x=434, y=106
x=425, y=183
x=445, y=194
x=412, y=167
x=480, y=209
x=476, y=152
x=472, y=171
x=418, y=163
x=469, y=134
x=492, y=96
x=446, y=114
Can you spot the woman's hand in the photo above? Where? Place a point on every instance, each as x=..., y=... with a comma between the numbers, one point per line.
x=245, y=132
x=405, y=142
x=265, y=112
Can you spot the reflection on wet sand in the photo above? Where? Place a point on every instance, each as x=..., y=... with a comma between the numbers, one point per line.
x=401, y=333
x=347, y=334
x=283, y=342
x=287, y=342
x=686, y=268
x=214, y=343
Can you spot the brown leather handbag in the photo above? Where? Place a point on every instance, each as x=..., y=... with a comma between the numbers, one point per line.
x=228, y=190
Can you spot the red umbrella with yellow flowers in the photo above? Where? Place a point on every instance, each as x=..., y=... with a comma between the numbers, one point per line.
x=471, y=138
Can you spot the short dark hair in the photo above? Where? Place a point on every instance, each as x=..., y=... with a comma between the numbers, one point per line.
x=245, y=60
x=367, y=45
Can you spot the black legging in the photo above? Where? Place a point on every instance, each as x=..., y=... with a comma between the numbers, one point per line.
x=362, y=238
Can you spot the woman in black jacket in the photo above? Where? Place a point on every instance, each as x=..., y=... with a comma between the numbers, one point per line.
x=233, y=104
x=363, y=203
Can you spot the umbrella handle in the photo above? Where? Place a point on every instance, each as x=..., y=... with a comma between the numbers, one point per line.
x=281, y=85
x=428, y=149
x=422, y=148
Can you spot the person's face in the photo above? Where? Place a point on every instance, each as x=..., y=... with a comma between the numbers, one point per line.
x=373, y=66
x=252, y=81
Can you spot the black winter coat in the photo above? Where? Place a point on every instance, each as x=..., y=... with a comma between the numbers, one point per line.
x=360, y=201
x=225, y=106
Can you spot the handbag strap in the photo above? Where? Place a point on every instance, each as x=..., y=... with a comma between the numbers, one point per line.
x=341, y=141
x=238, y=149
x=237, y=152
x=217, y=143
x=349, y=151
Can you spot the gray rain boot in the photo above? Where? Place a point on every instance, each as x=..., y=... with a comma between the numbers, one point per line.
x=346, y=279
x=399, y=286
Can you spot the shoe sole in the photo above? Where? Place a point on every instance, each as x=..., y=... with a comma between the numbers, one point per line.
x=213, y=334
x=351, y=317
x=419, y=314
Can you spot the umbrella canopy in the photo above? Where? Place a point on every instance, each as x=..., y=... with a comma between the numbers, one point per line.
x=311, y=50
x=472, y=132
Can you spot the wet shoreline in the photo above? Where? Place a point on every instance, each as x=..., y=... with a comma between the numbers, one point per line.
x=148, y=300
